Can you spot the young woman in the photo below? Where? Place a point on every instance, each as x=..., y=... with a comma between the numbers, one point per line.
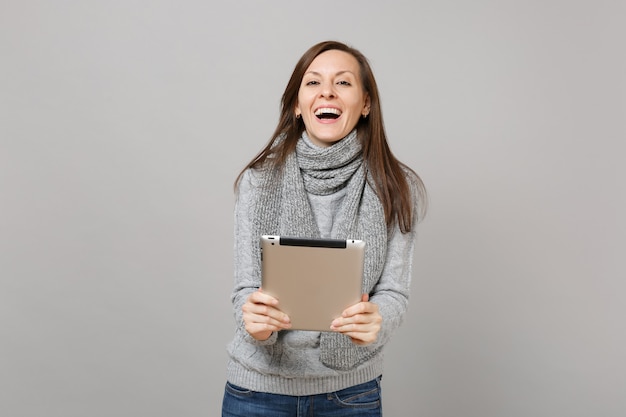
x=326, y=172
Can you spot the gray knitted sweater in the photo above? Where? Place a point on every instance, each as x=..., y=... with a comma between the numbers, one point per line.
x=299, y=371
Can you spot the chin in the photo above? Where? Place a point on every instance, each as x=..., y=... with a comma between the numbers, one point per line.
x=332, y=137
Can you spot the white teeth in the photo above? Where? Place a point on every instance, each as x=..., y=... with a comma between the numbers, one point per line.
x=326, y=110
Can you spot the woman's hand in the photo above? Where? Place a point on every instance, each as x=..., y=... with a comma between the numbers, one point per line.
x=261, y=316
x=361, y=322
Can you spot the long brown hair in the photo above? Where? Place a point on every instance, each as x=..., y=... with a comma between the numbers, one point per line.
x=390, y=176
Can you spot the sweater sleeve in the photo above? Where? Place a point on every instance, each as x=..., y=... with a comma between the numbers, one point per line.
x=246, y=280
x=391, y=292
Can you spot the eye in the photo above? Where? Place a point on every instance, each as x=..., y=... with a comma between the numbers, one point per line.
x=312, y=82
x=346, y=83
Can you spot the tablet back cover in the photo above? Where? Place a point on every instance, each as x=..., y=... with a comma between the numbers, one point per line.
x=314, y=280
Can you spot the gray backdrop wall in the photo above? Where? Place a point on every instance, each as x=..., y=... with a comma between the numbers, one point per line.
x=124, y=123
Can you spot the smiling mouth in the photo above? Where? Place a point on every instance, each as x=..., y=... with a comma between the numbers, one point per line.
x=326, y=113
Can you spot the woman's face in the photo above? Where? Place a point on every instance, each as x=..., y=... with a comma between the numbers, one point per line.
x=331, y=98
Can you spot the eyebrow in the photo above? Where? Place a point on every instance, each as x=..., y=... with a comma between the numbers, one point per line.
x=337, y=73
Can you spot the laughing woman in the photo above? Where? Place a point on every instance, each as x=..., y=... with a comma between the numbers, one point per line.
x=327, y=172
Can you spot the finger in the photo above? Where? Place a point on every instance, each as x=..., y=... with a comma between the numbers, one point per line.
x=265, y=322
x=259, y=297
x=358, y=322
x=364, y=307
x=361, y=334
x=263, y=313
x=261, y=327
x=344, y=322
x=261, y=331
x=353, y=327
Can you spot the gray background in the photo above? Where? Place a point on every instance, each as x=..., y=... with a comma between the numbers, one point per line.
x=124, y=123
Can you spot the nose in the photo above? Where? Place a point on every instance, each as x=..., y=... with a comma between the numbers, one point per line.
x=327, y=90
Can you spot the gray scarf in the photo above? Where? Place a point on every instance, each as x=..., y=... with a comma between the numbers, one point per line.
x=282, y=208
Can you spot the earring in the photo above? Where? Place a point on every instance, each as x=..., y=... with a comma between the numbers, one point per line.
x=297, y=115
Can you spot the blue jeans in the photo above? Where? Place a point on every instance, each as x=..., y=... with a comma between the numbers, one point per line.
x=362, y=400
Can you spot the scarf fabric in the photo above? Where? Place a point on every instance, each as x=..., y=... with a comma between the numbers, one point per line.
x=282, y=208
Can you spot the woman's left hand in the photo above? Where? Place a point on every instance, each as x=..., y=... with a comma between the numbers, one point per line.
x=361, y=322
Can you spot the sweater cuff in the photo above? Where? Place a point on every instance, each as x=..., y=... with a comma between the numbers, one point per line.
x=269, y=341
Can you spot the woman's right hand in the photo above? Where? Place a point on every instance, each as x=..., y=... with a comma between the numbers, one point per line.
x=261, y=316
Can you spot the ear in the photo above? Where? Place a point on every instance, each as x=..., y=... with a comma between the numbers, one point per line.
x=297, y=111
x=366, y=106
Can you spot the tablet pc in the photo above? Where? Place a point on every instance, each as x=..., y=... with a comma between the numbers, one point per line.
x=314, y=280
